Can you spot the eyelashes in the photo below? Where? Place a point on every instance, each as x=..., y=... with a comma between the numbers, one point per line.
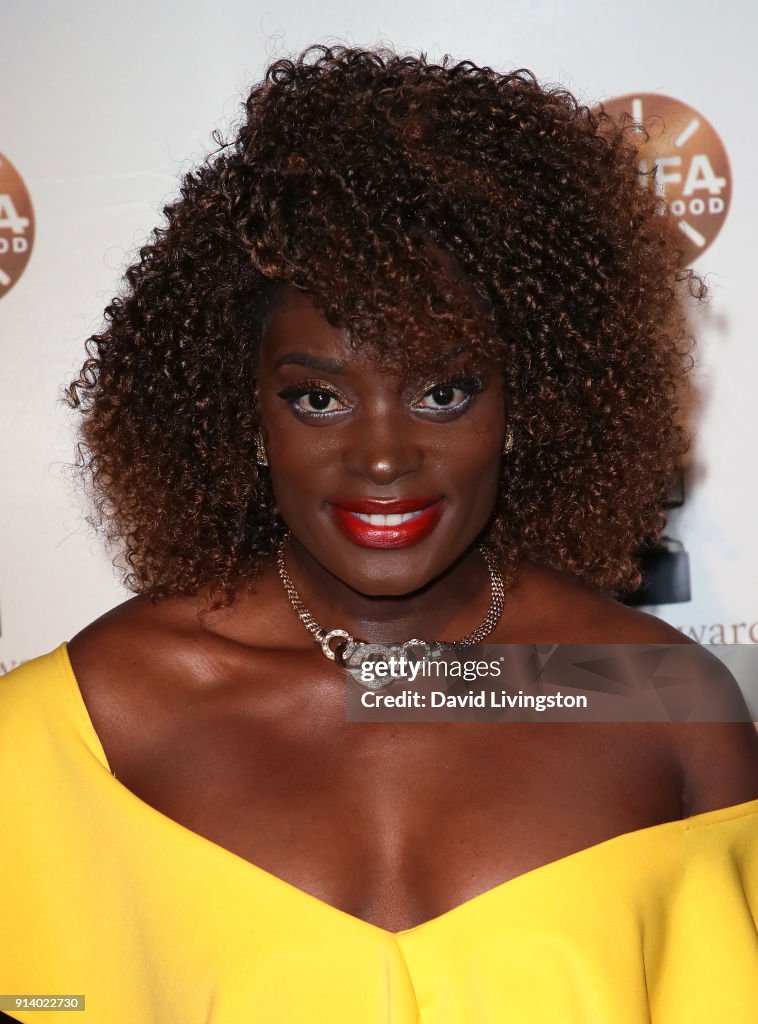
x=323, y=393
x=469, y=385
x=320, y=396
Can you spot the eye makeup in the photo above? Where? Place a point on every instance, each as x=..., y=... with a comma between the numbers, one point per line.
x=468, y=384
x=294, y=392
x=324, y=393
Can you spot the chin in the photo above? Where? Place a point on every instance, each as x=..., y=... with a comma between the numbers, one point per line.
x=385, y=588
x=387, y=584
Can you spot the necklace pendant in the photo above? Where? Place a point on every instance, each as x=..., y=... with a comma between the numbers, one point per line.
x=338, y=652
x=408, y=650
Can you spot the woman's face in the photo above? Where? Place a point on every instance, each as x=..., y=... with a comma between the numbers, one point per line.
x=384, y=480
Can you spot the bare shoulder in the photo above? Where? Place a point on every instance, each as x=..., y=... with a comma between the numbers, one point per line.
x=556, y=607
x=717, y=754
x=132, y=664
x=138, y=665
x=136, y=633
x=181, y=635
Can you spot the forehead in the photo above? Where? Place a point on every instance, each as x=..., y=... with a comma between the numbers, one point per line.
x=294, y=321
x=294, y=324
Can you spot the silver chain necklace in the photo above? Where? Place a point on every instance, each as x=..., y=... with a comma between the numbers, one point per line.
x=338, y=645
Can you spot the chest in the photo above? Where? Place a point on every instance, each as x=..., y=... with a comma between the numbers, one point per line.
x=396, y=823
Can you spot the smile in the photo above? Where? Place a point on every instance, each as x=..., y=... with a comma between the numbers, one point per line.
x=400, y=525
x=391, y=520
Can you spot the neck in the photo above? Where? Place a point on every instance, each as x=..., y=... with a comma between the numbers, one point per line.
x=446, y=608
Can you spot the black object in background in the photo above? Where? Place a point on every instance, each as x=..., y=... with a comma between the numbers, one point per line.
x=665, y=575
x=666, y=565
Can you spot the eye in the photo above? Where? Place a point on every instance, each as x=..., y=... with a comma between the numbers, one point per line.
x=444, y=396
x=313, y=399
x=316, y=400
x=450, y=396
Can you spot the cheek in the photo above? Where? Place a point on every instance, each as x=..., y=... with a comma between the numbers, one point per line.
x=303, y=462
x=474, y=470
x=473, y=453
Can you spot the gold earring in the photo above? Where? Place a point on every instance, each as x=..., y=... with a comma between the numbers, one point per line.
x=261, y=456
x=508, y=446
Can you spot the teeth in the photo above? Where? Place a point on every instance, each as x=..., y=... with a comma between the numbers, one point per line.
x=392, y=520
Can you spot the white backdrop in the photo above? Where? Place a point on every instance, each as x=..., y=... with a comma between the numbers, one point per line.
x=105, y=104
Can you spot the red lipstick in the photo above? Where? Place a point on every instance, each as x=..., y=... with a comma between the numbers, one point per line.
x=420, y=516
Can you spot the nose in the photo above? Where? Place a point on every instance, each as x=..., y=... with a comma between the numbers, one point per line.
x=382, y=447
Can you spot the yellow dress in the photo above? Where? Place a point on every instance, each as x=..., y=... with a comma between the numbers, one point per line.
x=104, y=896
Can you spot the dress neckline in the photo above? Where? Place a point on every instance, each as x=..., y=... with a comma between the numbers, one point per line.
x=703, y=819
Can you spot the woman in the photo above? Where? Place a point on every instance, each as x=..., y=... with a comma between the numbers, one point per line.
x=415, y=338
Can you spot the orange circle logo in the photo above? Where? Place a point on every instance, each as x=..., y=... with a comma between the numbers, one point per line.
x=16, y=226
x=691, y=166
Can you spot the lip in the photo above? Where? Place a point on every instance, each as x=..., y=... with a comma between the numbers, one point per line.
x=385, y=506
x=399, y=535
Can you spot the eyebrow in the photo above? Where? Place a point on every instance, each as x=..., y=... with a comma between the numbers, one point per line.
x=314, y=362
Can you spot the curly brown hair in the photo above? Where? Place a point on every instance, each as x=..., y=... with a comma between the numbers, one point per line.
x=348, y=166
